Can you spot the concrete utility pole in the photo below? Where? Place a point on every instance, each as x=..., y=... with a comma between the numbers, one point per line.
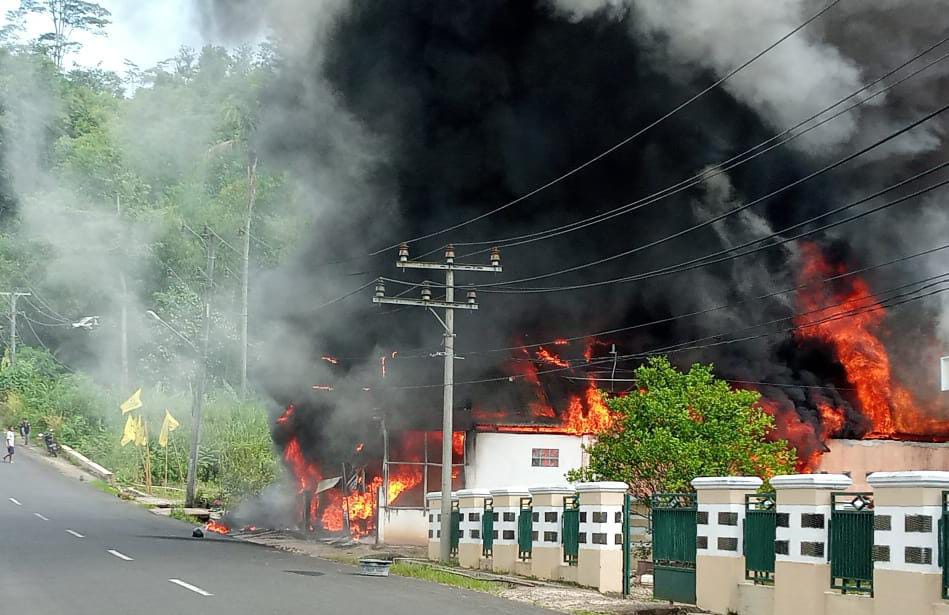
x=202, y=372
x=245, y=270
x=124, y=311
x=13, y=297
x=449, y=304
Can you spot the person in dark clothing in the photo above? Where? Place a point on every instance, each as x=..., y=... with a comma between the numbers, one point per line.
x=25, y=428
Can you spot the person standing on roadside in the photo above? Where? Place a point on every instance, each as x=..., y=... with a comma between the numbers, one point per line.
x=11, y=441
x=25, y=428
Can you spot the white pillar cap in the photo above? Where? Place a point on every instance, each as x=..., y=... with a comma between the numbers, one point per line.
x=811, y=481
x=474, y=493
x=511, y=491
x=738, y=483
x=909, y=479
x=437, y=495
x=603, y=486
x=552, y=490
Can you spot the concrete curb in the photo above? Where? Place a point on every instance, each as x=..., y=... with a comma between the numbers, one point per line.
x=88, y=465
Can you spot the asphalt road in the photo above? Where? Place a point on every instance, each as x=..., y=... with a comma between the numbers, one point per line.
x=68, y=548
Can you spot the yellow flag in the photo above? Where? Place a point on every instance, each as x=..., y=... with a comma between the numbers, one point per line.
x=168, y=425
x=130, y=432
x=141, y=436
x=132, y=403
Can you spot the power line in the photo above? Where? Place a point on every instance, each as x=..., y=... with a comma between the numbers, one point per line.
x=718, y=169
x=730, y=380
x=716, y=308
x=45, y=304
x=620, y=144
x=639, y=356
x=60, y=321
x=690, y=345
x=45, y=324
x=729, y=253
x=735, y=210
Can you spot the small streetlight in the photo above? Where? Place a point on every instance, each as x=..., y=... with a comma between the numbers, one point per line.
x=87, y=322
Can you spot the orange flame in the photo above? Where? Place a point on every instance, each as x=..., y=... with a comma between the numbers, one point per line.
x=330, y=359
x=217, y=527
x=548, y=357
x=287, y=414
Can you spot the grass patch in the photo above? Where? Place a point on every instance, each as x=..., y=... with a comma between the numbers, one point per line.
x=181, y=515
x=104, y=487
x=427, y=573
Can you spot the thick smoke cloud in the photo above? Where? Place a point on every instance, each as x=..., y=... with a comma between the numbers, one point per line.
x=402, y=119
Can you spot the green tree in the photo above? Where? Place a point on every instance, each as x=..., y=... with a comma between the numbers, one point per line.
x=67, y=16
x=679, y=426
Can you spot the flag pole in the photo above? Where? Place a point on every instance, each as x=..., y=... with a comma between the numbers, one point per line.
x=148, y=460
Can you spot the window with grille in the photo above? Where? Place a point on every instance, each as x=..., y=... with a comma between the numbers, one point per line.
x=545, y=457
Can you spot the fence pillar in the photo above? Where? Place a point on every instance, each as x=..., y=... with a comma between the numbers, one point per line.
x=907, y=577
x=719, y=557
x=433, y=504
x=547, y=551
x=600, y=558
x=801, y=569
x=470, y=507
x=507, y=503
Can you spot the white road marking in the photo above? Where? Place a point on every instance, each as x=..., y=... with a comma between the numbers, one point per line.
x=41, y=516
x=120, y=555
x=15, y=501
x=193, y=588
x=76, y=534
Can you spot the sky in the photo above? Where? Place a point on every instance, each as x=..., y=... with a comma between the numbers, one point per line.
x=143, y=31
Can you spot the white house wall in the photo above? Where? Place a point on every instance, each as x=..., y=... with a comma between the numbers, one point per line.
x=500, y=460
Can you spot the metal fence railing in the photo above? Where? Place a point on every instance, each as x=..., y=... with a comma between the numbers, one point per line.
x=850, y=547
x=571, y=529
x=759, y=535
x=525, y=529
x=487, y=528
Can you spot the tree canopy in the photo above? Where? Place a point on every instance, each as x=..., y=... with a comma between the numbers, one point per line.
x=681, y=425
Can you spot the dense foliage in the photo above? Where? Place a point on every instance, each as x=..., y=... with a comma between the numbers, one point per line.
x=679, y=426
x=112, y=187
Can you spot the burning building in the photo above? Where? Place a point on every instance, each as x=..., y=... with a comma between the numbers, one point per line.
x=472, y=123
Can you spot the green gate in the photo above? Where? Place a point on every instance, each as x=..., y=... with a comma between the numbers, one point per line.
x=673, y=546
x=851, y=542
x=487, y=528
x=455, y=527
x=759, y=534
x=571, y=529
x=525, y=529
x=944, y=544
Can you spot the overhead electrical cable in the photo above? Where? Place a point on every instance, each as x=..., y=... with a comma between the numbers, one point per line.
x=710, y=172
x=642, y=355
x=703, y=261
x=717, y=308
x=621, y=143
x=828, y=167
x=879, y=305
x=729, y=253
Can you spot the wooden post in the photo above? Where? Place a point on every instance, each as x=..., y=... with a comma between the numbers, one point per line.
x=148, y=462
x=345, y=488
